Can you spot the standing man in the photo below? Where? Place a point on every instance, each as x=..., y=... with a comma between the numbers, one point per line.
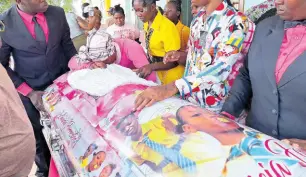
x=38, y=37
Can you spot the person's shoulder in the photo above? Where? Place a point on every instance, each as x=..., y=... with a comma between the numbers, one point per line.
x=167, y=21
x=55, y=10
x=268, y=22
x=7, y=14
x=265, y=27
x=129, y=26
x=111, y=27
x=186, y=29
x=167, y=24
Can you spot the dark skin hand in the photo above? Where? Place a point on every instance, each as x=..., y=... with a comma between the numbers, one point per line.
x=36, y=99
x=87, y=25
x=176, y=56
x=154, y=94
x=296, y=143
x=98, y=64
x=146, y=70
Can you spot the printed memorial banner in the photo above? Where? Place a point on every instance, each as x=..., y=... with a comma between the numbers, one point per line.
x=104, y=136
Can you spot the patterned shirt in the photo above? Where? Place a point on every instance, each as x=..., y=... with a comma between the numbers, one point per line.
x=216, y=49
x=255, y=12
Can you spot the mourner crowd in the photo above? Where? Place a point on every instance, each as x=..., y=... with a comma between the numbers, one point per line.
x=221, y=62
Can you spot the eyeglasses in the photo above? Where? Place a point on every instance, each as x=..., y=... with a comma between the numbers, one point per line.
x=2, y=26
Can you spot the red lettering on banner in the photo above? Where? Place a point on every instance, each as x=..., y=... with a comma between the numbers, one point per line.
x=289, y=152
x=280, y=170
x=274, y=169
x=266, y=171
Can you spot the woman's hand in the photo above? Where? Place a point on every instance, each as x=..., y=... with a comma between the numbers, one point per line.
x=98, y=64
x=144, y=71
x=296, y=143
x=172, y=56
x=154, y=94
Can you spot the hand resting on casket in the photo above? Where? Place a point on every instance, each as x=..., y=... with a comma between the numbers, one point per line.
x=98, y=64
x=296, y=143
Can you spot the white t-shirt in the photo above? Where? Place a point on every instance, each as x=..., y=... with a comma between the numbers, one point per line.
x=125, y=31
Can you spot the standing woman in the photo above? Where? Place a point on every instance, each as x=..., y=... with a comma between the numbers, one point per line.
x=219, y=35
x=121, y=29
x=173, y=12
x=162, y=37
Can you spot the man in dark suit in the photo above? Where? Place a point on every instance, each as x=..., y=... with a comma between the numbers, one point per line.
x=38, y=38
x=273, y=79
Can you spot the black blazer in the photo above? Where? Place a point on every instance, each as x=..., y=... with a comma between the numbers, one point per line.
x=276, y=109
x=36, y=66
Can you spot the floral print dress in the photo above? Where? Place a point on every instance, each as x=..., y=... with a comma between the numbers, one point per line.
x=217, y=45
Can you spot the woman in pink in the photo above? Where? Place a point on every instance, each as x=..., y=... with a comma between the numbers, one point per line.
x=121, y=29
x=101, y=50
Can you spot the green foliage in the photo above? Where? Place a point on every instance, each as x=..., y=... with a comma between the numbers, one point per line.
x=5, y=4
x=65, y=4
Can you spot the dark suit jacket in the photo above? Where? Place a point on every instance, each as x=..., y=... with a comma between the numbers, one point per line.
x=36, y=66
x=276, y=109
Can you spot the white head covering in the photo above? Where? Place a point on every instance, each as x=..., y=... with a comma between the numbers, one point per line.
x=99, y=47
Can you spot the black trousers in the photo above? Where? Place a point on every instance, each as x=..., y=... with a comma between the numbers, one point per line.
x=42, y=158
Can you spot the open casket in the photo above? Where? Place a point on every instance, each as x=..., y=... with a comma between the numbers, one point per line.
x=101, y=136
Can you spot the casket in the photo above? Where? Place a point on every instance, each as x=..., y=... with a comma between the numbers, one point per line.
x=102, y=136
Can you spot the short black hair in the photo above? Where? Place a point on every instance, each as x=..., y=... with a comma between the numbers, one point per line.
x=146, y=2
x=118, y=9
x=161, y=10
x=85, y=5
x=229, y=3
x=85, y=15
x=97, y=8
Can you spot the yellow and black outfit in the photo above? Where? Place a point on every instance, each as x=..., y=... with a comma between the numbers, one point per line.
x=184, y=32
x=162, y=37
x=156, y=132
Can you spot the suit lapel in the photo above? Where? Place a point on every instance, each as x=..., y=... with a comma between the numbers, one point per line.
x=271, y=48
x=297, y=68
x=22, y=34
x=52, y=28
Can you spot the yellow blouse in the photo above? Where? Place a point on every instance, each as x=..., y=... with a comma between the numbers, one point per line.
x=165, y=38
x=184, y=32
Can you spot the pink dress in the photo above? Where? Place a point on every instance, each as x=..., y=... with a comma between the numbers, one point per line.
x=130, y=55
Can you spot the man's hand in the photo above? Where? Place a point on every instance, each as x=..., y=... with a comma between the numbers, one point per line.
x=296, y=143
x=98, y=64
x=154, y=94
x=172, y=56
x=144, y=71
x=36, y=99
